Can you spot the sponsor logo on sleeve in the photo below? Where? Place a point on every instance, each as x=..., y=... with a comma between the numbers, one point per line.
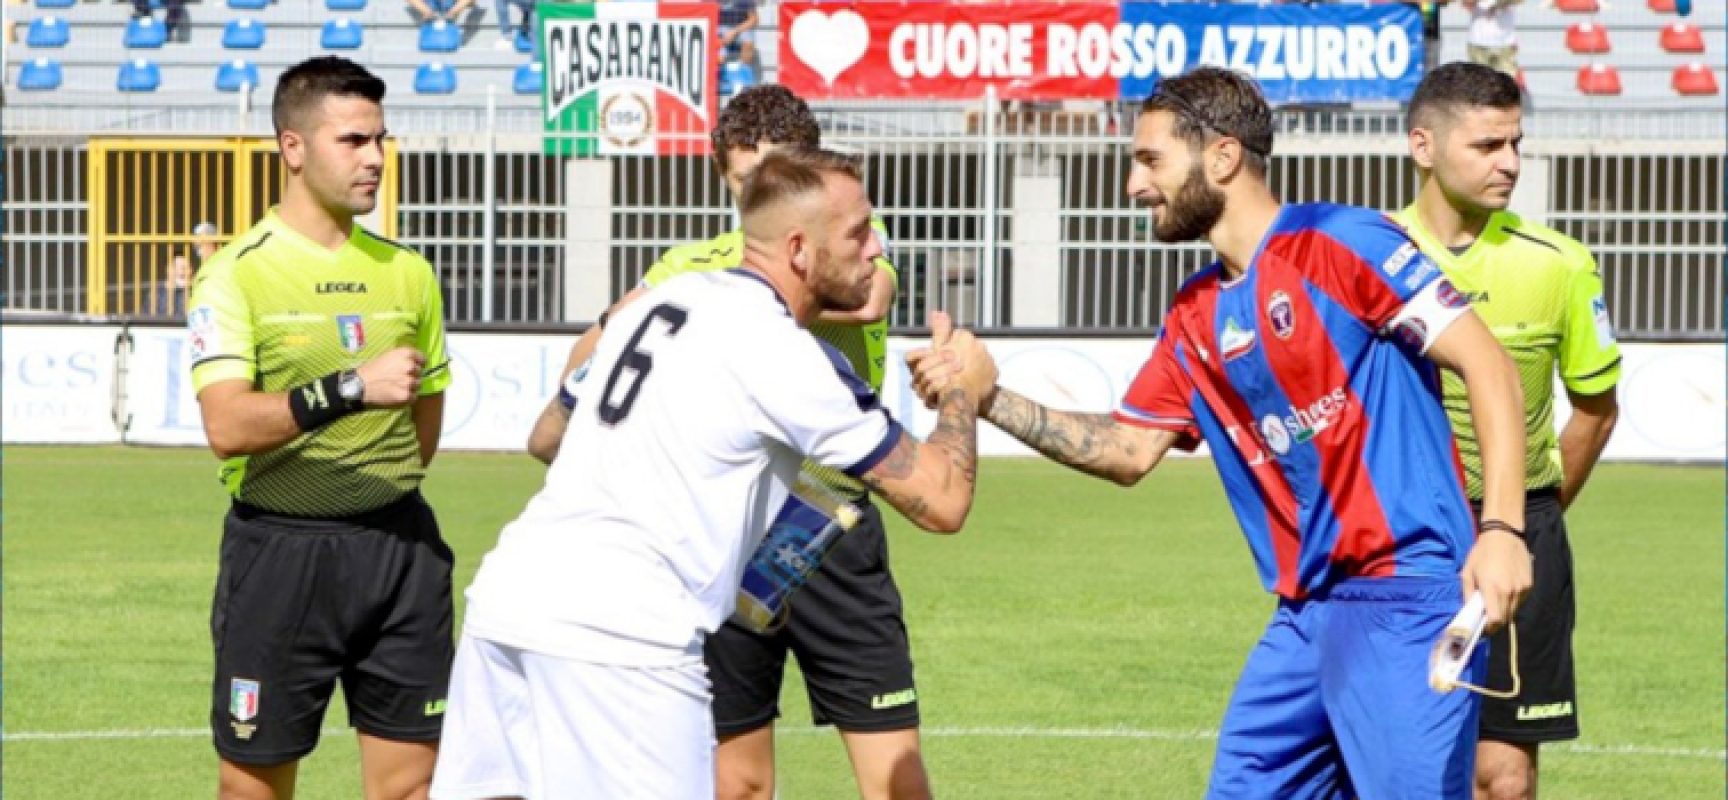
x=201, y=327
x=1419, y=274
x=1604, y=325
x=1398, y=260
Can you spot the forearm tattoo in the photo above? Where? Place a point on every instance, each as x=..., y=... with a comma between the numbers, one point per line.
x=1091, y=443
x=956, y=437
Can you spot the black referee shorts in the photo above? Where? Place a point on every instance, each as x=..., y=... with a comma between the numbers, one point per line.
x=849, y=636
x=1546, y=710
x=304, y=603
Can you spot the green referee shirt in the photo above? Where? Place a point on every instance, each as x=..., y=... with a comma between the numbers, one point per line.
x=866, y=346
x=1540, y=293
x=277, y=310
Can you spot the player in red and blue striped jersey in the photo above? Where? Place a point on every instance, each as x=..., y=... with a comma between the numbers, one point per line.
x=1307, y=359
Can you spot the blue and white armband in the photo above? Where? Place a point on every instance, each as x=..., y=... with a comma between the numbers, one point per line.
x=573, y=381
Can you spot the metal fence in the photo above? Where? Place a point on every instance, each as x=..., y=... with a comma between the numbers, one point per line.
x=491, y=210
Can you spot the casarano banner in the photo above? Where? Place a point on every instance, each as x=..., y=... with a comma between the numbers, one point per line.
x=1321, y=53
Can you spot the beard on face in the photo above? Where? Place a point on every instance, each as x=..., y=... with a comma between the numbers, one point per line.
x=833, y=291
x=1192, y=212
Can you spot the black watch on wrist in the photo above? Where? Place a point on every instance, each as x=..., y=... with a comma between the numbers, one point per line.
x=351, y=388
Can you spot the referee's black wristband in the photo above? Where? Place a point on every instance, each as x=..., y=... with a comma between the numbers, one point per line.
x=1498, y=525
x=319, y=403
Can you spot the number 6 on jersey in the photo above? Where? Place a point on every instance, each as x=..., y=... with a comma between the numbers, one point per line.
x=639, y=362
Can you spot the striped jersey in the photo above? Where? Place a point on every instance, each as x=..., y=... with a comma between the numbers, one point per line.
x=1307, y=378
x=277, y=310
x=1540, y=293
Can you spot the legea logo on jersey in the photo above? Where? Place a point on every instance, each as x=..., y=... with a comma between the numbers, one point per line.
x=1301, y=425
x=353, y=332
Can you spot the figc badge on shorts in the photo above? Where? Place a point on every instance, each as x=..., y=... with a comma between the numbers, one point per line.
x=243, y=696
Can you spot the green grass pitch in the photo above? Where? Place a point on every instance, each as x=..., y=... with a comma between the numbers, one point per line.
x=1076, y=641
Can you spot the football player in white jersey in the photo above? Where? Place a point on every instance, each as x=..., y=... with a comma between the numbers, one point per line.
x=579, y=673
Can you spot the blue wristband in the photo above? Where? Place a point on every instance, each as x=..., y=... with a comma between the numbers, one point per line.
x=567, y=389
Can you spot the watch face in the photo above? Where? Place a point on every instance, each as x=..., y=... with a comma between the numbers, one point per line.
x=351, y=387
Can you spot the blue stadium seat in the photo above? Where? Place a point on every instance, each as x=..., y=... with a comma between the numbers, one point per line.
x=345, y=5
x=56, y=3
x=236, y=75
x=529, y=78
x=139, y=75
x=440, y=36
x=39, y=75
x=435, y=78
x=341, y=34
x=524, y=41
x=48, y=32
x=145, y=32
x=243, y=34
x=249, y=5
x=735, y=77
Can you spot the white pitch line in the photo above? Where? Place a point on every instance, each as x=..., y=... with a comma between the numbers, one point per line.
x=945, y=732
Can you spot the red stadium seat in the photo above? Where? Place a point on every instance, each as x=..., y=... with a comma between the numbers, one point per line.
x=1578, y=6
x=1599, y=79
x=1682, y=38
x=1695, y=79
x=1587, y=37
x=1662, y=6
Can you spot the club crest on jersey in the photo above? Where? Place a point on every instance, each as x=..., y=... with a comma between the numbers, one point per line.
x=1449, y=296
x=1282, y=313
x=1235, y=341
x=353, y=332
x=243, y=699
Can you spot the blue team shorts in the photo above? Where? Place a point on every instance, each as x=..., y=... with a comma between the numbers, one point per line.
x=1334, y=700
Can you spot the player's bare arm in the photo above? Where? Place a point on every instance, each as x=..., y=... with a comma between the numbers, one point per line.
x=429, y=425
x=240, y=421
x=548, y=432
x=1499, y=563
x=873, y=310
x=1582, y=439
x=931, y=483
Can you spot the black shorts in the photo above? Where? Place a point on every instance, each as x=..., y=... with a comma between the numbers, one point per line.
x=303, y=603
x=1546, y=709
x=848, y=633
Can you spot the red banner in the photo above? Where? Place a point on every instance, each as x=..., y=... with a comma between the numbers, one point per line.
x=1028, y=51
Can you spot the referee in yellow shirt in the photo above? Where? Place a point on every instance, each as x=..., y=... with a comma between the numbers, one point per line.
x=318, y=357
x=1540, y=292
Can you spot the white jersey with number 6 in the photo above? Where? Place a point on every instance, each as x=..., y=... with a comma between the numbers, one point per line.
x=702, y=399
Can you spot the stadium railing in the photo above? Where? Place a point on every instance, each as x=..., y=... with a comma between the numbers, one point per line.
x=1018, y=224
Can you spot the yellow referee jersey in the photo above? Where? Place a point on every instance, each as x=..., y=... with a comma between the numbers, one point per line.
x=1540, y=293
x=277, y=310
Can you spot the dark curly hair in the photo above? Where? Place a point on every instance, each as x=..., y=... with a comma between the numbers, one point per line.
x=765, y=113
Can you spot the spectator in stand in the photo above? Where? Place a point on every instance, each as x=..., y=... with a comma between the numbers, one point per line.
x=1430, y=11
x=1493, y=38
x=507, y=32
x=432, y=10
x=171, y=295
x=179, y=26
x=205, y=242
x=738, y=20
